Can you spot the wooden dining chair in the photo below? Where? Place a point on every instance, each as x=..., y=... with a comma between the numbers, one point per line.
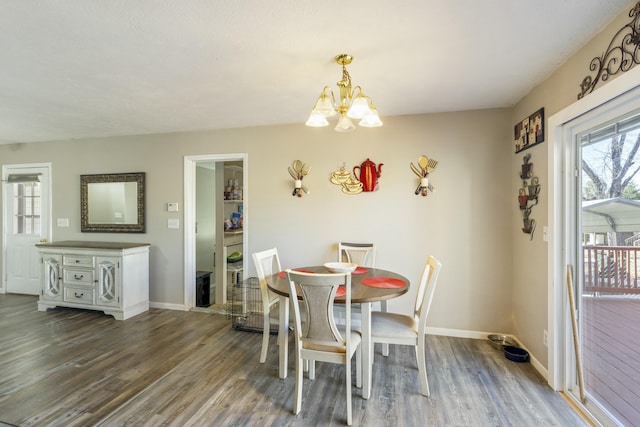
x=394, y=328
x=363, y=254
x=319, y=338
x=267, y=263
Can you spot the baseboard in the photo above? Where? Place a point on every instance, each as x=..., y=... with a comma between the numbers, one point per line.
x=167, y=306
x=458, y=333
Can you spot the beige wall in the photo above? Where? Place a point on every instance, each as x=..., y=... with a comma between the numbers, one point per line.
x=530, y=302
x=465, y=223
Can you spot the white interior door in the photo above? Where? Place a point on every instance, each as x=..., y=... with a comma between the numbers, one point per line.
x=26, y=221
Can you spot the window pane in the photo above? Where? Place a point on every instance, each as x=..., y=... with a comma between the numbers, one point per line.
x=26, y=208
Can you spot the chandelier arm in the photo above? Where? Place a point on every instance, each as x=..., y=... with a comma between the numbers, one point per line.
x=333, y=97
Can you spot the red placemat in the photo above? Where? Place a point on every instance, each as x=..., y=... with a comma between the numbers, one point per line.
x=360, y=270
x=383, y=282
x=342, y=291
x=283, y=274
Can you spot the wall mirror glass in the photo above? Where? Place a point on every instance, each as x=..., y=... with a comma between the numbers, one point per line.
x=112, y=203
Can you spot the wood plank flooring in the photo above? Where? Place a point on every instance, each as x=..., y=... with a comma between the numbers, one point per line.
x=68, y=367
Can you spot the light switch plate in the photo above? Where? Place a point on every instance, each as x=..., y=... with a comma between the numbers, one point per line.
x=62, y=222
x=172, y=206
x=173, y=223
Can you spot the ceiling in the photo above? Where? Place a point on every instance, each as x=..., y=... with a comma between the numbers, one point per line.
x=94, y=68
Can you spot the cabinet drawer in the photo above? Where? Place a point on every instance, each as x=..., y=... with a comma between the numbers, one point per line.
x=77, y=260
x=79, y=295
x=77, y=277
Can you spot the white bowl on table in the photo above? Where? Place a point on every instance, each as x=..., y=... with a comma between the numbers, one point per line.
x=341, y=267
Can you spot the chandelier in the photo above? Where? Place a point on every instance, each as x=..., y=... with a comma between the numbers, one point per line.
x=354, y=104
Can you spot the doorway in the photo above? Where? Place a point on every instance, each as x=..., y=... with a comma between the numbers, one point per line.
x=576, y=217
x=26, y=221
x=191, y=164
x=607, y=260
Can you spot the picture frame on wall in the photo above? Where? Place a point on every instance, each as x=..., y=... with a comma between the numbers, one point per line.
x=529, y=132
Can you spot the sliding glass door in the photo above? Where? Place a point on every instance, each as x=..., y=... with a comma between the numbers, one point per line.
x=607, y=265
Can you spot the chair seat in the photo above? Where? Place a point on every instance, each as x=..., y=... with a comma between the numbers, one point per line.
x=356, y=338
x=393, y=325
x=399, y=329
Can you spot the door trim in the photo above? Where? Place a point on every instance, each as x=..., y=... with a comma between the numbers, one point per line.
x=6, y=171
x=189, y=267
x=560, y=223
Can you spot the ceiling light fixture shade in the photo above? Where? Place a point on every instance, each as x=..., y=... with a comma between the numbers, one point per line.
x=317, y=120
x=324, y=104
x=354, y=104
x=371, y=120
x=344, y=124
x=359, y=107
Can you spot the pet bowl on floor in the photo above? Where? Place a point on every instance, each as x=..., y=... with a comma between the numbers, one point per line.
x=499, y=341
x=516, y=354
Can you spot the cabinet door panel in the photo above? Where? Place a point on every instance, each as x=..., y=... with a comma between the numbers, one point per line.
x=52, y=268
x=107, y=286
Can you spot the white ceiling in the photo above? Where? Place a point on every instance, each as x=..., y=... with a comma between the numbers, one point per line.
x=91, y=68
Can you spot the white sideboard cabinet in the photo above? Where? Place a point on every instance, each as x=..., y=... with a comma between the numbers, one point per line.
x=108, y=276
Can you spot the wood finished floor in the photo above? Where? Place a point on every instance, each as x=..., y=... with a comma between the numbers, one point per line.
x=69, y=367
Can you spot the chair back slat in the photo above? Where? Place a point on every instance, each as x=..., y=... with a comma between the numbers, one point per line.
x=363, y=254
x=318, y=292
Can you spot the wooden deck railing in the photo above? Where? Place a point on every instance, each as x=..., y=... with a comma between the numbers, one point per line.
x=612, y=269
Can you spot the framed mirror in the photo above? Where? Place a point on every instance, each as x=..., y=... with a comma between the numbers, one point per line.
x=112, y=203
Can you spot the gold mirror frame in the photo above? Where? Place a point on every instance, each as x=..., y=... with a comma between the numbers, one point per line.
x=138, y=227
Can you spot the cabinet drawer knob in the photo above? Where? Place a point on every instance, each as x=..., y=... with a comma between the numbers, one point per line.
x=78, y=277
x=78, y=295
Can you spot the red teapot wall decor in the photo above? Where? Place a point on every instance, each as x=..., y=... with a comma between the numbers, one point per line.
x=368, y=174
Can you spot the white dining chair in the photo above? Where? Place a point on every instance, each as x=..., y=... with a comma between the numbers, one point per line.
x=319, y=339
x=394, y=328
x=363, y=254
x=267, y=263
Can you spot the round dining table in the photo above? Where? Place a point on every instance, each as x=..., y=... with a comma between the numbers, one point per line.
x=368, y=285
